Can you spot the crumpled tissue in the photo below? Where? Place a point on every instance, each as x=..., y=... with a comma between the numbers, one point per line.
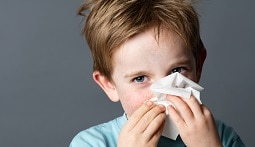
x=178, y=85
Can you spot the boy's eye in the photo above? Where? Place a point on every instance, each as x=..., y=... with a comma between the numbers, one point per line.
x=140, y=79
x=178, y=69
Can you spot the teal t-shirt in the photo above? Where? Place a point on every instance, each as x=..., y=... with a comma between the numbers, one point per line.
x=106, y=135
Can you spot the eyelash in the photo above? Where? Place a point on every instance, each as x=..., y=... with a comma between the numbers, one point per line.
x=178, y=70
x=139, y=78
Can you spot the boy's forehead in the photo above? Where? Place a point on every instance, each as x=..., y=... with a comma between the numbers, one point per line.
x=156, y=38
x=153, y=40
x=157, y=34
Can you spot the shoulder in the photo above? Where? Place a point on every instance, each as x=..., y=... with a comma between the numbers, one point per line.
x=105, y=134
x=228, y=135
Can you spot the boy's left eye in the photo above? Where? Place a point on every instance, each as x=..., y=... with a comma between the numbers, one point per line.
x=178, y=69
x=140, y=79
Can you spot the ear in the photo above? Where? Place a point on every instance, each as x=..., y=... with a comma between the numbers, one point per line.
x=200, y=63
x=106, y=85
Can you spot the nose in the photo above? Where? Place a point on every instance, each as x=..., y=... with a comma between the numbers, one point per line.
x=150, y=94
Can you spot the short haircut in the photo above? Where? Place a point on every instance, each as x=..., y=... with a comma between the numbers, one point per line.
x=109, y=23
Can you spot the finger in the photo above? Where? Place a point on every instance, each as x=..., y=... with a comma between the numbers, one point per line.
x=156, y=127
x=206, y=112
x=137, y=115
x=176, y=118
x=195, y=106
x=182, y=107
x=156, y=123
x=149, y=118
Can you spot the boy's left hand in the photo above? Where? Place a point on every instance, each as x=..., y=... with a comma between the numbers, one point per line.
x=194, y=122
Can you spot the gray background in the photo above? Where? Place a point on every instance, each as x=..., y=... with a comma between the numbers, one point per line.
x=46, y=90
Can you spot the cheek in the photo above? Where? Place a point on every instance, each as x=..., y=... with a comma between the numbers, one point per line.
x=132, y=100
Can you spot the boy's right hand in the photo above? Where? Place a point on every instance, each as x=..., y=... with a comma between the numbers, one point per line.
x=144, y=127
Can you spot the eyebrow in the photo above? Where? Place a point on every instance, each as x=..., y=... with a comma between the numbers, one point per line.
x=182, y=61
x=135, y=74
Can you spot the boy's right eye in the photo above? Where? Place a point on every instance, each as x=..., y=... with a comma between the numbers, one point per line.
x=139, y=79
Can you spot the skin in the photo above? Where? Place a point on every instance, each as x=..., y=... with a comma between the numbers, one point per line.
x=142, y=60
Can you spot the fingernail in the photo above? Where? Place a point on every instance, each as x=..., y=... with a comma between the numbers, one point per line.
x=149, y=103
x=162, y=107
x=171, y=106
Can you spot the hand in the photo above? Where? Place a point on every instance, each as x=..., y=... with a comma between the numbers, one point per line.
x=194, y=122
x=144, y=127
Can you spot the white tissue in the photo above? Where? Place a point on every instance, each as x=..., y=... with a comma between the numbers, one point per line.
x=174, y=84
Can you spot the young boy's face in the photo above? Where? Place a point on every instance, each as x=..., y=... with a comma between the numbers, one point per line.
x=142, y=60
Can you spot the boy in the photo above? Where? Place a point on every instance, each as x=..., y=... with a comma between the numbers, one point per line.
x=135, y=43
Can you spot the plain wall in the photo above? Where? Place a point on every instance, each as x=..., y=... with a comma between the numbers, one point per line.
x=47, y=94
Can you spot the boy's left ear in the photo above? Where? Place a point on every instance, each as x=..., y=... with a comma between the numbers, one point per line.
x=200, y=63
x=108, y=86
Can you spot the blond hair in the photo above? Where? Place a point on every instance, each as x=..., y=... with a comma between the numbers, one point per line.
x=111, y=22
